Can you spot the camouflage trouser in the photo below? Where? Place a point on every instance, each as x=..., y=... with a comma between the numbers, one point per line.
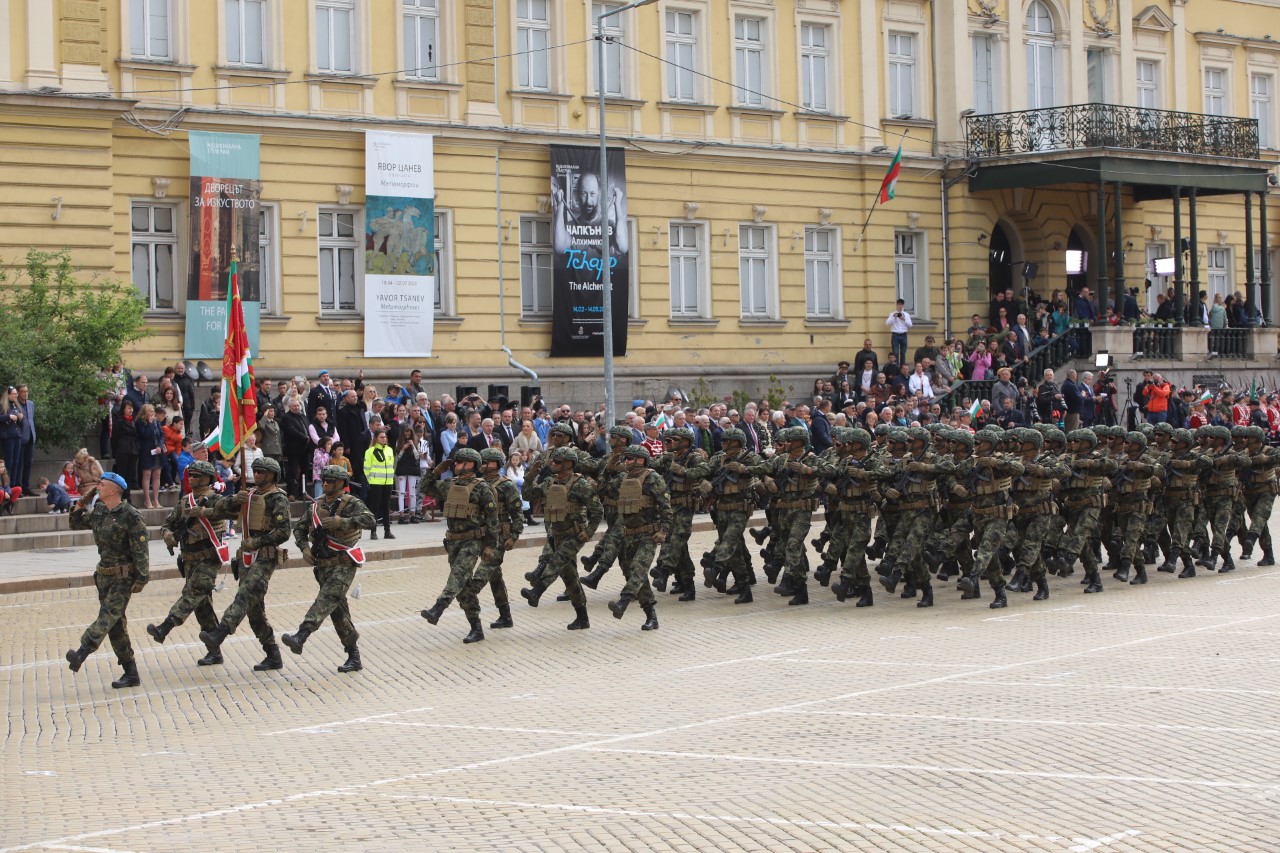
x=1180, y=516
x=563, y=564
x=1155, y=520
x=856, y=528
x=497, y=585
x=793, y=531
x=1218, y=512
x=731, y=547
x=610, y=543
x=197, y=592
x=480, y=577
x=331, y=601
x=1200, y=524
x=251, y=601
x=837, y=530
x=1032, y=531
x=636, y=558
x=992, y=532
x=1081, y=530
x=1130, y=528
x=113, y=599
x=890, y=521
x=463, y=557
x=912, y=530
x=952, y=542
x=674, y=559
x=1259, y=507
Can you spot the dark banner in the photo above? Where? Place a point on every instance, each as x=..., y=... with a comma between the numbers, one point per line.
x=578, y=213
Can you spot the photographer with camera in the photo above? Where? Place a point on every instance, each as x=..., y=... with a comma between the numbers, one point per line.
x=899, y=323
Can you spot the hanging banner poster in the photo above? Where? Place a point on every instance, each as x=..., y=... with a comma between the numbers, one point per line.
x=578, y=213
x=225, y=210
x=400, y=257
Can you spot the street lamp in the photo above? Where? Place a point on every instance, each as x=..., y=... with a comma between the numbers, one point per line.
x=606, y=277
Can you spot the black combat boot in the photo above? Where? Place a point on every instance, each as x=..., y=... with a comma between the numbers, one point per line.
x=908, y=588
x=1228, y=564
x=1042, y=589
x=582, y=621
x=76, y=657
x=1188, y=568
x=1210, y=562
x=373, y=534
x=159, y=632
x=708, y=558
x=926, y=597
x=998, y=598
x=564, y=596
x=298, y=639
x=589, y=561
x=1168, y=565
x=691, y=590
x=840, y=592
x=210, y=659
x=890, y=581
x=651, y=617
x=823, y=574
x=352, y=663
x=771, y=569
x=760, y=534
x=1268, y=558
x=272, y=660
x=130, y=677
x=531, y=595
x=659, y=579
x=593, y=580
x=1122, y=572
x=1095, y=581
x=744, y=594
x=1149, y=552
x=619, y=607
x=678, y=587
x=1247, y=541
x=1019, y=582
x=786, y=586
x=864, y=596
x=1139, y=574
x=504, y=618
x=969, y=587
x=433, y=613
x=709, y=574
x=876, y=549
x=721, y=583
x=801, y=593
x=886, y=567
x=477, y=632
x=213, y=639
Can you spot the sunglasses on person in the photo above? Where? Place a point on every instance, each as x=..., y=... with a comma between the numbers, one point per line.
x=330, y=479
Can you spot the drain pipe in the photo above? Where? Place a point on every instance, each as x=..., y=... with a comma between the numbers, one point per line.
x=502, y=313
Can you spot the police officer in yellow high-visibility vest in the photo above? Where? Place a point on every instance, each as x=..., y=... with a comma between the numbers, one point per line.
x=379, y=476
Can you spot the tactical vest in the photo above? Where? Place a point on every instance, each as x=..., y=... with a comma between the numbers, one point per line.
x=1139, y=485
x=680, y=485
x=799, y=483
x=196, y=534
x=1183, y=480
x=724, y=487
x=1221, y=478
x=1085, y=480
x=255, y=512
x=852, y=488
x=917, y=484
x=556, y=506
x=334, y=510
x=457, y=501
x=631, y=497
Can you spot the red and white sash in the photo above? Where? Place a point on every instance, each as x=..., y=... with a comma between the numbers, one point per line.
x=355, y=552
x=224, y=552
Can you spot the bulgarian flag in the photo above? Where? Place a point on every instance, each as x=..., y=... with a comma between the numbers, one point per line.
x=974, y=409
x=239, y=403
x=889, y=186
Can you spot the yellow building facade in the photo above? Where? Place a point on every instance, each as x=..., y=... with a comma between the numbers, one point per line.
x=756, y=132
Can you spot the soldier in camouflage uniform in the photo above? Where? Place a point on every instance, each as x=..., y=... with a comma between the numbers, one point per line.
x=644, y=513
x=610, y=472
x=1222, y=485
x=1084, y=495
x=891, y=454
x=264, y=524
x=473, y=537
x=1037, y=513
x=949, y=548
x=830, y=560
x=914, y=483
x=880, y=449
x=1133, y=505
x=793, y=473
x=1200, y=523
x=1156, y=538
x=993, y=512
x=120, y=534
x=332, y=548
x=1183, y=468
x=1260, y=488
x=855, y=473
x=201, y=556
x=572, y=512
x=511, y=525
x=684, y=469
x=729, y=481
x=560, y=435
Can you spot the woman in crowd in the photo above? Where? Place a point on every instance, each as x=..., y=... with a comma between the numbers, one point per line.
x=170, y=405
x=527, y=442
x=88, y=470
x=515, y=473
x=9, y=493
x=1002, y=319
x=407, y=472
x=319, y=459
x=1218, y=313
x=269, y=434
x=449, y=436
x=124, y=443
x=252, y=453
x=379, y=477
x=150, y=455
x=11, y=429
x=981, y=361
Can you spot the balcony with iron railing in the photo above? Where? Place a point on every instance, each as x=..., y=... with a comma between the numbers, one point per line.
x=1110, y=126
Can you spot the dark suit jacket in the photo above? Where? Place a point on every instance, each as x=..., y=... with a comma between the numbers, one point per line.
x=1071, y=397
x=321, y=396
x=820, y=429
x=501, y=432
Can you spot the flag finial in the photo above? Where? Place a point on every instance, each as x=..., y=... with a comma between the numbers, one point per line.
x=235, y=254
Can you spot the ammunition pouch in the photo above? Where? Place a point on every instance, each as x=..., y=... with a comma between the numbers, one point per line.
x=858, y=508
x=123, y=571
x=998, y=511
x=723, y=505
x=809, y=504
x=643, y=529
x=464, y=535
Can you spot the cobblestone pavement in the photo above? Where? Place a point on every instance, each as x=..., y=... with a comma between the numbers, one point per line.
x=1145, y=718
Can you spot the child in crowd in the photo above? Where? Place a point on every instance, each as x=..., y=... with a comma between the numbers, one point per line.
x=183, y=458
x=55, y=494
x=8, y=494
x=174, y=432
x=227, y=475
x=319, y=459
x=69, y=481
x=338, y=456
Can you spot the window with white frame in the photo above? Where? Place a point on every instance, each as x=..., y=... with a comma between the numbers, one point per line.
x=339, y=259
x=149, y=35
x=153, y=237
x=1215, y=91
x=815, y=63
x=614, y=36
x=907, y=271
x=1159, y=283
x=1041, y=36
x=421, y=39
x=821, y=253
x=682, y=55
x=246, y=22
x=755, y=270
x=984, y=74
x=1218, y=271
x=335, y=35
x=1098, y=75
x=1148, y=72
x=1260, y=86
x=749, y=61
x=533, y=40
x=535, y=267
x=902, y=75
x=444, y=264
x=268, y=263
x=688, y=269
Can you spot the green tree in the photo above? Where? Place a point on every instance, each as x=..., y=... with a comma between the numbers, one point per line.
x=60, y=333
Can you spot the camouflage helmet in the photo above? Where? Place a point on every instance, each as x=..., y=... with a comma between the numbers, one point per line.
x=563, y=454
x=1219, y=432
x=1137, y=438
x=988, y=435
x=920, y=434
x=266, y=463
x=492, y=454
x=883, y=429
x=1184, y=436
x=561, y=429
x=1163, y=427
x=334, y=472
x=467, y=454
x=935, y=428
x=203, y=469
x=839, y=435
x=635, y=451
x=790, y=434
x=1257, y=433
x=962, y=436
x=898, y=435
x=1042, y=428
x=1055, y=436
x=1146, y=429
x=680, y=434
x=621, y=432
x=859, y=436
x=733, y=434
x=1240, y=432
x=1031, y=436
x=1088, y=436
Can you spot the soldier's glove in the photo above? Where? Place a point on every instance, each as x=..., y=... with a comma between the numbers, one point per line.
x=584, y=536
x=960, y=491
x=677, y=469
x=1258, y=460
x=831, y=489
x=735, y=467
x=1033, y=470
x=138, y=585
x=333, y=523
x=508, y=544
x=307, y=558
x=770, y=486
x=239, y=498
x=659, y=537
x=170, y=540
x=893, y=494
x=920, y=467
x=250, y=543
x=799, y=467
x=705, y=488
x=1180, y=464
x=1086, y=464
x=490, y=555
x=442, y=467
x=981, y=462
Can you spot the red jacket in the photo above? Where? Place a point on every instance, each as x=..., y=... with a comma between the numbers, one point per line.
x=1158, y=397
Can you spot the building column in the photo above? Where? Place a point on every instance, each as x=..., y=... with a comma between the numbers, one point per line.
x=869, y=45
x=482, y=69
x=1179, y=299
x=41, y=41
x=1266, y=259
x=1119, y=250
x=1195, y=246
x=1103, y=278
x=1250, y=283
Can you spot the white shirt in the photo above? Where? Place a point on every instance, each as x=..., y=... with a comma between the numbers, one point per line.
x=898, y=326
x=919, y=384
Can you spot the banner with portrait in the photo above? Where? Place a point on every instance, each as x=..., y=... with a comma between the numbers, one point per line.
x=400, y=257
x=578, y=214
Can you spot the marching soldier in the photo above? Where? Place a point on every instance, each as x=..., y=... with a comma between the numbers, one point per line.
x=264, y=523
x=855, y=474
x=993, y=513
x=120, y=533
x=1221, y=488
x=329, y=538
x=644, y=516
x=1133, y=504
x=572, y=512
x=730, y=483
x=560, y=435
x=510, y=526
x=1182, y=496
x=202, y=554
x=1083, y=497
x=950, y=546
x=599, y=561
x=684, y=469
x=793, y=474
x=1260, y=490
x=915, y=484
x=1037, y=514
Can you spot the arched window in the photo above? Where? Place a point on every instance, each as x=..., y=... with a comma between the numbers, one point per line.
x=1041, y=64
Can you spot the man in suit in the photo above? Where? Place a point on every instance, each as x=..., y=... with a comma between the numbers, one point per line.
x=187, y=390
x=506, y=430
x=137, y=393
x=756, y=432
x=820, y=426
x=1022, y=337
x=27, y=434
x=323, y=394
x=702, y=434
x=863, y=355
x=1073, y=400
